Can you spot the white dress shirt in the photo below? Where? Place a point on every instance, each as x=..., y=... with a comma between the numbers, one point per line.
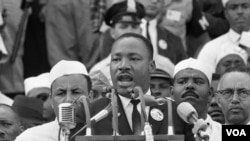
x=128, y=108
x=214, y=129
x=152, y=30
x=45, y=132
x=210, y=52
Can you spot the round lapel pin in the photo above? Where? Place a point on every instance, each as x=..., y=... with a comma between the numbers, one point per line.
x=163, y=44
x=156, y=114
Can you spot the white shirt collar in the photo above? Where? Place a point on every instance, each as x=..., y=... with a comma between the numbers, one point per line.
x=233, y=36
x=126, y=101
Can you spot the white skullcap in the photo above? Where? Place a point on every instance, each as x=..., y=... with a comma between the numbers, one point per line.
x=231, y=49
x=194, y=64
x=65, y=67
x=39, y=81
x=164, y=64
x=224, y=2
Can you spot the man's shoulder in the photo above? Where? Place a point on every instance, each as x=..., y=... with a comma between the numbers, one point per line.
x=38, y=132
x=215, y=43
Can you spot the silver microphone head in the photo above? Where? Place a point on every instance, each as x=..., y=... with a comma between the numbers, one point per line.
x=185, y=110
x=66, y=115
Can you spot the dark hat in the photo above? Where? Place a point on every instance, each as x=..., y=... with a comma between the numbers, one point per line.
x=160, y=73
x=29, y=109
x=128, y=7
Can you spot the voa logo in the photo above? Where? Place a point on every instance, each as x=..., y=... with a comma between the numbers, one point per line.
x=236, y=132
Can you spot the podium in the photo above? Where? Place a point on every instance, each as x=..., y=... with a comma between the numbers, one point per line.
x=129, y=137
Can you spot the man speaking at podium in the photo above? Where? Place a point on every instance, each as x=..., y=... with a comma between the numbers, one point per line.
x=131, y=65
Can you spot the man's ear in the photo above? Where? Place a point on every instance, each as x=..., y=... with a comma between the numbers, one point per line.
x=172, y=92
x=112, y=33
x=210, y=94
x=21, y=128
x=152, y=66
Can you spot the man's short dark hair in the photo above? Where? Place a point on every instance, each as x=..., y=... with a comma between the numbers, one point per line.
x=148, y=44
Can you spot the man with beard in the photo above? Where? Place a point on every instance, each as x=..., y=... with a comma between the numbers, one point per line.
x=131, y=65
x=233, y=97
x=192, y=80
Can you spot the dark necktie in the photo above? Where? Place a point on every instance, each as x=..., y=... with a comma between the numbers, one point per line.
x=148, y=35
x=136, y=118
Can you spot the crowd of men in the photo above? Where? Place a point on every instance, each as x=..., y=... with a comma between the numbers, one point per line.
x=126, y=58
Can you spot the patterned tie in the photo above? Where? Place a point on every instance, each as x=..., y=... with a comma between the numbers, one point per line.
x=136, y=118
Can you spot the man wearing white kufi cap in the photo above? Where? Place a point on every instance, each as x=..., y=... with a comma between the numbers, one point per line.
x=230, y=58
x=39, y=87
x=68, y=81
x=237, y=12
x=192, y=79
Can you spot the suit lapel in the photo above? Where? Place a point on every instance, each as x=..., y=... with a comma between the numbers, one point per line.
x=124, y=128
x=155, y=123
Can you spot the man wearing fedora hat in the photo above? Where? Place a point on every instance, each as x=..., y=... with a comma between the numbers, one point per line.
x=29, y=109
x=69, y=80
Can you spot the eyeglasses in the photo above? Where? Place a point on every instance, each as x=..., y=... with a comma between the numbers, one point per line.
x=228, y=93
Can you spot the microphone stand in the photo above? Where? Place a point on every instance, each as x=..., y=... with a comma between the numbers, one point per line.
x=114, y=112
x=87, y=114
x=144, y=119
x=170, y=118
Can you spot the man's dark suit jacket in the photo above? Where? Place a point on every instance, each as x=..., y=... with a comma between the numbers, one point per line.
x=104, y=127
x=174, y=51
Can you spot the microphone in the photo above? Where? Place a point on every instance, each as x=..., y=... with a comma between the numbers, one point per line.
x=152, y=101
x=187, y=112
x=134, y=92
x=66, y=115
x=106, y=91
x=96, y=118
x=66, y=118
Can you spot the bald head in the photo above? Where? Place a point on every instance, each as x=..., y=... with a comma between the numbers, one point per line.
x=234, y=78
x=233, y=97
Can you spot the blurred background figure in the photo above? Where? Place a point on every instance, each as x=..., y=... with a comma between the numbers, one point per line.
x=161, y=80
x=230, y=58
x=185, y=19
x=69, y=31
x=5, y=100
x=10, y=124
x=99, y=82
x=30, y=110
x=164, y=42
x=237, y=12
x=11, y=72
x=39, y=87
x=214, y=110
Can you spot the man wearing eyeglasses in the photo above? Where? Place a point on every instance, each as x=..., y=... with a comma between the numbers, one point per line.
x=233, y=97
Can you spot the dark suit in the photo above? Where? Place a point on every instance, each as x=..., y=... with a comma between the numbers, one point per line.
x=175, y=50
x=104, y=127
